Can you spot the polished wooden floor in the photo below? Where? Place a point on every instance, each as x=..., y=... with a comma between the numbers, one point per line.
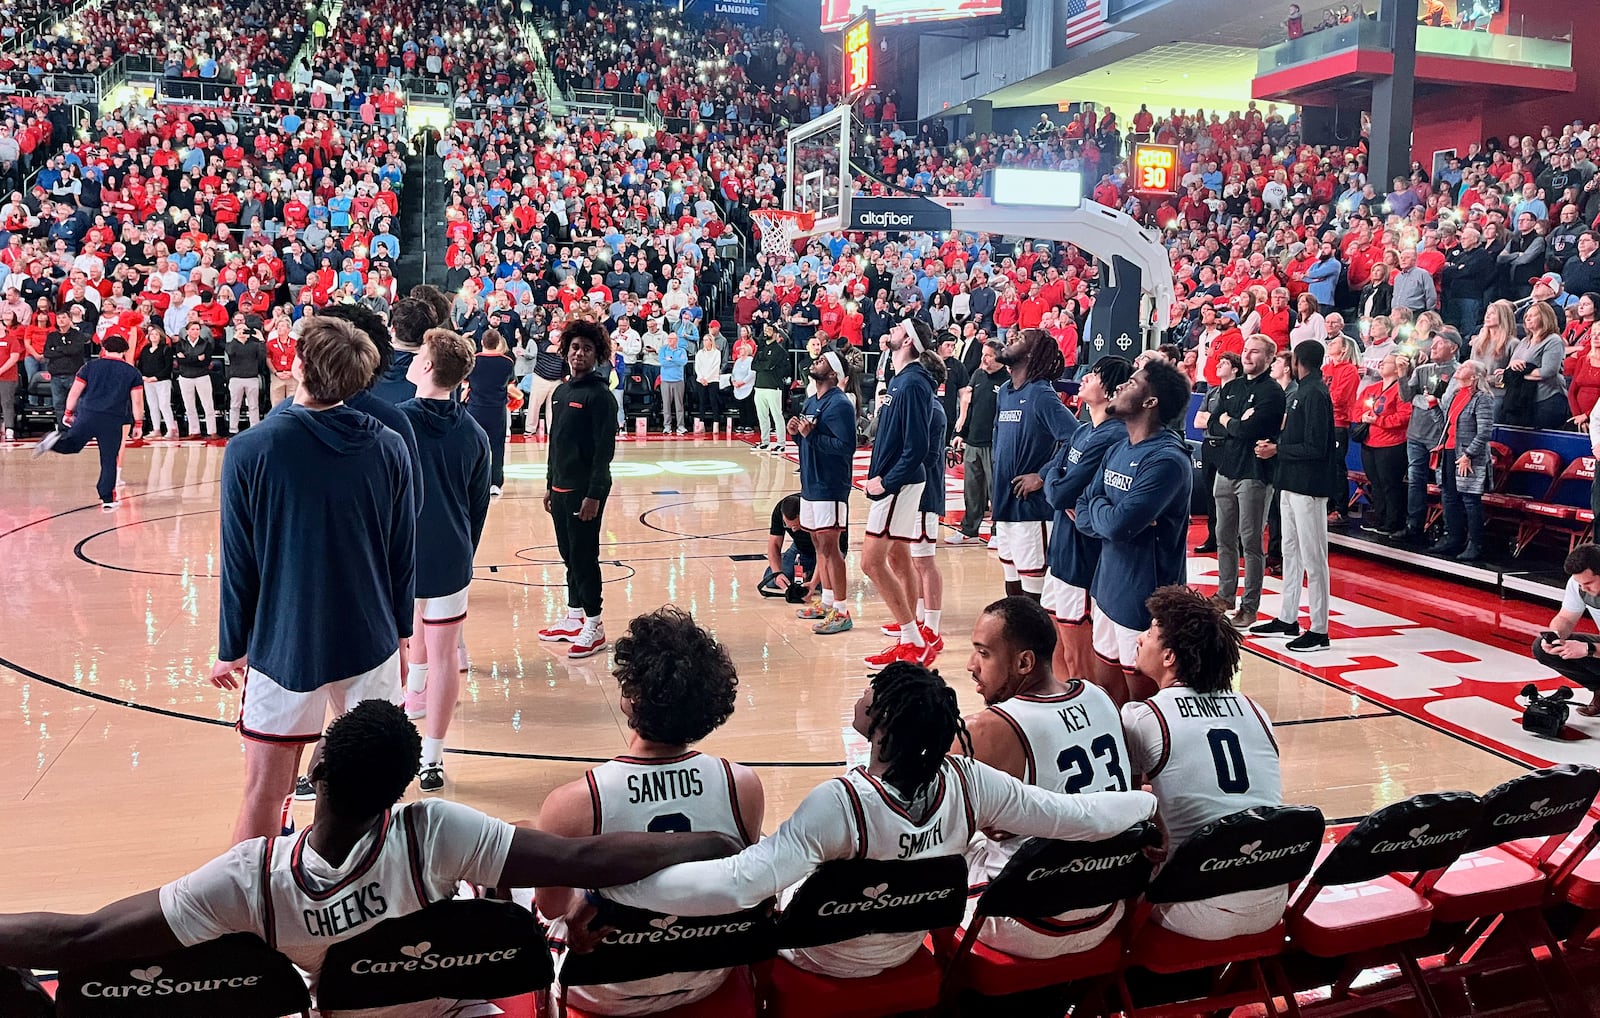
x=118, y=768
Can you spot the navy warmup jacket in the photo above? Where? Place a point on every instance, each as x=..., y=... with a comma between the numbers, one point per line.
x=826, y=455
x=1074, y=555
x=455, y=493
x=318, y=544
x=900, y=448
x=1029, y=424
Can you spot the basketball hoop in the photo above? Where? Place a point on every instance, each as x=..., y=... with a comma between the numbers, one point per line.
x=780, y=228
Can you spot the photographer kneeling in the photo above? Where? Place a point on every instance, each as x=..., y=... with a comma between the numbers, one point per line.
x=1576, y=656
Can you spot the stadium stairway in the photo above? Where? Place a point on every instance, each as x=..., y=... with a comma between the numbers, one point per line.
x=413, y=228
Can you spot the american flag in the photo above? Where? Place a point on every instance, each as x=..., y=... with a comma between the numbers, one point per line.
x=1085, y=20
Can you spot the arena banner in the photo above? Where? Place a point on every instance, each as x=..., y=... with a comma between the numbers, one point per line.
x=911, y=215
x=745, y=12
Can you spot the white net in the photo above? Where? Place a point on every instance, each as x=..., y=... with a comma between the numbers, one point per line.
x=780, y=229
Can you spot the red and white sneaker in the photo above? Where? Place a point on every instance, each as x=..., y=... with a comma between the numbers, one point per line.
x=589, y=642
x=564, y=631
x=935, y=644
x=907, y=652
x=890, y=629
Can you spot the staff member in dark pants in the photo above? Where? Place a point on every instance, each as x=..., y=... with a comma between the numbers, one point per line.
x=975, y=441
x=1575, y=656
x=107, y=394
x=582, y=443
x=486, y=401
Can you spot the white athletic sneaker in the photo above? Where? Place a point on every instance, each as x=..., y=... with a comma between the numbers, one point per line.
x=591, y=641
x=763, y=447
x=46, y=443
x=564, y=631
x=11, y=436
x=494, y=491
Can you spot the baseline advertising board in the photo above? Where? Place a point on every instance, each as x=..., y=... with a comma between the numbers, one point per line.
x=836, y=14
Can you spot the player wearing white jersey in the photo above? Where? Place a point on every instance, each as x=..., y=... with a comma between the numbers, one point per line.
x=911, y=801
x=1206, y=750
x=1063, y=736
x=358, y=863
x=677, y=686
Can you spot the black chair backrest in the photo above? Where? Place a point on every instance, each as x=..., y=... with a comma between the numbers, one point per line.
x=471, y=949
x=850, y=898
x=22, y=996
x=1422, y=833
x=1254, y=849
x=1538, y=804
x=1045, y=878
x=643, y=944
x=237, y=975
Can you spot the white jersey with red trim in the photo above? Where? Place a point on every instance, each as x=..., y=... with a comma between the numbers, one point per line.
x=883, y=825
x=692, y=792
x=302, y=905
x=1207, y=755
x=1072, y=742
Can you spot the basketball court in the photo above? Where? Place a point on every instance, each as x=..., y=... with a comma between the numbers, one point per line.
x=121, y=769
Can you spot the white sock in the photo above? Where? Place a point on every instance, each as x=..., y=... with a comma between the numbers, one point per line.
x=922, y=609
x=416, y=678
x=827, y=597
x=574, y=613
x=841, y=606
x=909, y=633
x=931, y=619
x=432, y=751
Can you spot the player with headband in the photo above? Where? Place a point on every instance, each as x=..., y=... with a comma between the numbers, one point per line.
x=895, y=481
x=826, y=434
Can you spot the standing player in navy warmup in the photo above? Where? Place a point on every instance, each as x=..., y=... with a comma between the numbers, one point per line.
x=1138, y=508
x=318, y=515
x=583, y=440
x=826, y=433
x=921, y=556
x=895, y=481
x=107, y=394
x=1030, y=423
x=455, y=503
x=1073, y=554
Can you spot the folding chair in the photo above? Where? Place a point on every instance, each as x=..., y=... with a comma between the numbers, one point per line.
x=1253, y=850
x=1529, y=479
x=642, y=945
x=237, y=975
x=1353, y=910
x=846, y=899
x=1042, y=880
x=1565, y=508
x=468, y=949
x=1493, y=896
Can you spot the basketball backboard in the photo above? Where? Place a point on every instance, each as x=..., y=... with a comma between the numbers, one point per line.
x=818, y=177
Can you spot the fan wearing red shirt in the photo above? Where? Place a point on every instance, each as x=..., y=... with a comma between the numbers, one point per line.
x=1007, y=310
x=1275, y=317
x=854, y=325
x=830, y=319
x=1032, y=311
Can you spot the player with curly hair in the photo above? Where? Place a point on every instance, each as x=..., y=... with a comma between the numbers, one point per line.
x=677, y=685
x=1206, y=750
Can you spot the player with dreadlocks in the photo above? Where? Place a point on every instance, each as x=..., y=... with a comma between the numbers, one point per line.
x=1030, y=423
x=910, y=801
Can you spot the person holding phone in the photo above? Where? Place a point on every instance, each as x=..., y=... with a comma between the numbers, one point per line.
x=1571, y=655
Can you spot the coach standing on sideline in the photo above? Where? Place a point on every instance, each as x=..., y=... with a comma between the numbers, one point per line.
x=1251, y=410
x=318, y=498
x=1303, y=452
x=583, y=441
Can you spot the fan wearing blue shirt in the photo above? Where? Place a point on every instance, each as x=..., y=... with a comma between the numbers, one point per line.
x=1074, y=555
x=1138, y=508
x=1030, y=424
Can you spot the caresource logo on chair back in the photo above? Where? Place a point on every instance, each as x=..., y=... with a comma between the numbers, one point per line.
x=852, y=898
x=467, y=949
x=1422, y=836
x=1538, y=804
x=237, y=975
x=1252, y=854
x=640, y=945
x=1254, y=849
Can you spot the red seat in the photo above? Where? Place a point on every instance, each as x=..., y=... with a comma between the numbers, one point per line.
x=1160, y=950
x=1529, y=479
x=995, y=974
x=735, y=998
x=1560, y=507
x=1354, y=917
x=792, y=992
x=1485, y=882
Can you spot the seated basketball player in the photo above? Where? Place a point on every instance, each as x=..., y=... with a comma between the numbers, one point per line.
x=455, y=503
x=677, y=686
x=911, y=801
x=1206, y=750
x=1061, y=735
x=359, y=837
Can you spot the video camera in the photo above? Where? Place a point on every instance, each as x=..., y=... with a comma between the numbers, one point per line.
x=1545, y=716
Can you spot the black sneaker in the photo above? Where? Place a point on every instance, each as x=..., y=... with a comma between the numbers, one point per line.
x=1275, y=627
x=432, y=779
x=1308, y=641
x=1209, y=548
x=303, y=790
